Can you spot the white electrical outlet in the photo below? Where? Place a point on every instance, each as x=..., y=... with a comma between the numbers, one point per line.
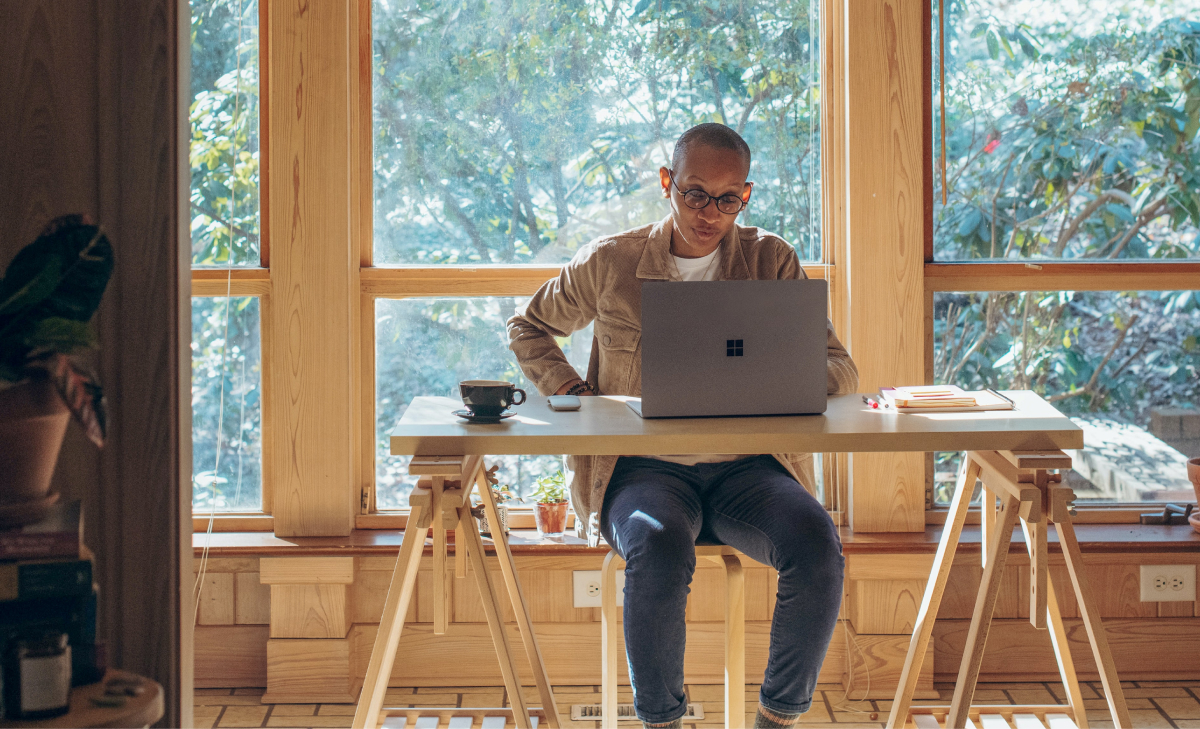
x=586, y=584
x=1168, y=583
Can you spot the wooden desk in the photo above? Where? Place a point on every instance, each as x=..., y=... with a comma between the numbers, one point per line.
x=1012, y=452
x=606, y=426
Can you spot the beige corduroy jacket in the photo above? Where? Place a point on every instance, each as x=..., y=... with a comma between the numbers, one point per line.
x=603, y=284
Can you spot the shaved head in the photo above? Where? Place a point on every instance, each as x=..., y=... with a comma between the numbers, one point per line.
x=717, y=136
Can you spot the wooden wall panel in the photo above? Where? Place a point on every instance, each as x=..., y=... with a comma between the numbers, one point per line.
x=251, y=600
x=93, y=120
x=885, y=228
x=884, y=607
x=231, y=656
x=314, y=273
x=873, y=667
x=310, y=611
x=1145, y=649
x=571, y=652
x=1117, y=591
x=217, y=599
x=570, y=636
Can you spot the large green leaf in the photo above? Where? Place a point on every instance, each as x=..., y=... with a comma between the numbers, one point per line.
x=57, y=334
x=62, y=274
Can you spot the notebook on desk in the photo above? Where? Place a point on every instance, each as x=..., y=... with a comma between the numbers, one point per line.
x=943, y=399
x=721, y=348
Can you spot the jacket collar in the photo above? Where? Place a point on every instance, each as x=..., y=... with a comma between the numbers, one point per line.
x=656, y=263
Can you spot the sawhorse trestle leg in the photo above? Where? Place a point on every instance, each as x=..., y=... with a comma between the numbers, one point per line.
x=442, y=502
x=1026, y=491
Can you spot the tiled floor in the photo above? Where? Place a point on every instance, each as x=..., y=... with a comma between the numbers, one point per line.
x=1151, y=704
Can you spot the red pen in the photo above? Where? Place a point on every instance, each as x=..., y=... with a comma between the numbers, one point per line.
x=870, y=402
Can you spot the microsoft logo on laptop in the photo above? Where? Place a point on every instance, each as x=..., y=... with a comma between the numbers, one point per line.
x=733, y=348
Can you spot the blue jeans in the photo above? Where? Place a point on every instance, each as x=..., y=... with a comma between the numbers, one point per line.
x=654, y=511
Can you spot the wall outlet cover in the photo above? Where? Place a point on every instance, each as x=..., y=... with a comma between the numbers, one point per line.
x=1168, y=583
x=586, y=588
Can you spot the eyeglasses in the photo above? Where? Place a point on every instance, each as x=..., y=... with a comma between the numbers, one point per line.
x=699, y=199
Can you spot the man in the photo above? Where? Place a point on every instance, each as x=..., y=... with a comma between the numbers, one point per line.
x=652, y=510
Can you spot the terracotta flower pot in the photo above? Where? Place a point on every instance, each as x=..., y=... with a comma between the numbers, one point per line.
x=33, y=419
x=1194, y=477
x=551, y=518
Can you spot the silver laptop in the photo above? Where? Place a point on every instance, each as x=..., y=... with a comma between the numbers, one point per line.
x=718, y=348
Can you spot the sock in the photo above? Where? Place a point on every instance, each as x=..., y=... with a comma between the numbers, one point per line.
x=669, y=725
x=768, y=719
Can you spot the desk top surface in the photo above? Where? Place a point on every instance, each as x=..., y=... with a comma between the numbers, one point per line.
x=606, y=426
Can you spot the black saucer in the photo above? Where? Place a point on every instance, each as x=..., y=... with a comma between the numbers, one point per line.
x=483, y=420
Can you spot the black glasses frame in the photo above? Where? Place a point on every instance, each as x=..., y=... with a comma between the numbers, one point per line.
x=694, y=195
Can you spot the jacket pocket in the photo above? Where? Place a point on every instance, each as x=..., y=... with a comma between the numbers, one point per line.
x=619, y=357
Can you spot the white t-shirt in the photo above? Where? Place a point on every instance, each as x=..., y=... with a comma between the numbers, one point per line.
x=699, y=269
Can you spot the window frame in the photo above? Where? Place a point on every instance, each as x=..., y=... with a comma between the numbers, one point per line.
x=242, y=281
x=374, y=282
x=1026, y=276
x=417, y=281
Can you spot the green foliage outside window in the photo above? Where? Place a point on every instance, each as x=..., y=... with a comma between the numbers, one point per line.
x=226, y=354
x=1071, y=137
x=1071, y=133
x=428, y=346
x=226, y=357
x=224, y=141
x=513, y=132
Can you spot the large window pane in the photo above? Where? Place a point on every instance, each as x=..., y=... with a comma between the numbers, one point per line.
x=428, y=346
x=1071, y=130
x=1125, y=366
x=224, y=124
x=226, y=405
x=515, y=132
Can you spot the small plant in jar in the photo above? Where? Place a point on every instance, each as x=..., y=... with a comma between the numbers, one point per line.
x=550, y=505
x=501, y=494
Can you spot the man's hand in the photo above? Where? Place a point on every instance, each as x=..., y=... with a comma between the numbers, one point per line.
x=586, y=391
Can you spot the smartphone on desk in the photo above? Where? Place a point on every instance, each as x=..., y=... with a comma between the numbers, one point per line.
x=563, y=402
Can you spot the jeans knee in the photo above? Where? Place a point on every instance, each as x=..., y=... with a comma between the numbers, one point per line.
x=812, y=544
x=660, y=548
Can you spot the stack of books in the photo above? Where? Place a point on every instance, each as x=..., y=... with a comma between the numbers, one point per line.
x=46, y=584
x=943, y=398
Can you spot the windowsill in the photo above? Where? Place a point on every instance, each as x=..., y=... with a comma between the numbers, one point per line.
x=1093, y=538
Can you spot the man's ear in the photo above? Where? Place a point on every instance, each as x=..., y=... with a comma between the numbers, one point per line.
x=749, y=188
x=664, y=179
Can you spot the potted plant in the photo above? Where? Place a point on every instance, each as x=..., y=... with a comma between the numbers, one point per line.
x=550, y=505
x=48, y=295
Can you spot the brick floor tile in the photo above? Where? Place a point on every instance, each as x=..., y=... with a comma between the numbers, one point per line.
x=1147, y=692
x=243, y=716
x=483, y=698
x=1148, y=719
x=338, y=722
x=205, y=717
x=1179, y=708
x=1039, y=695
x=294, y=710
x=229, y=701
x=1100, y=706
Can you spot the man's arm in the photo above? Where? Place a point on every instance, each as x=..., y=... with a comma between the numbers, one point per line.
x=841, y=373
x=561, y=306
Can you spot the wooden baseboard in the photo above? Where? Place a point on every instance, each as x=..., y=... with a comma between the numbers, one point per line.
x=1145, y=649
x=571, y=652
